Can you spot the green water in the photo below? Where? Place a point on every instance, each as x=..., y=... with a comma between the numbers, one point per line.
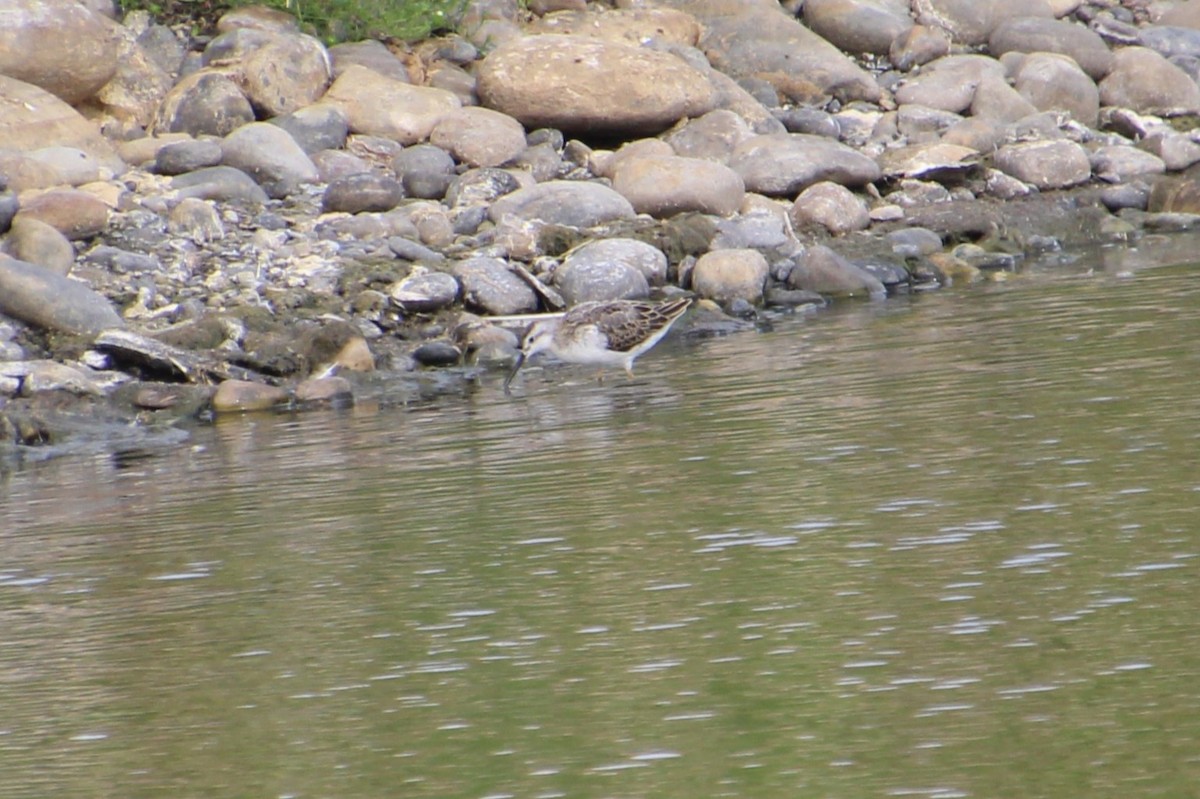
x=940, y=546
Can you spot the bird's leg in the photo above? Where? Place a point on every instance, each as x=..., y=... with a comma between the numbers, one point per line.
x=629, y=371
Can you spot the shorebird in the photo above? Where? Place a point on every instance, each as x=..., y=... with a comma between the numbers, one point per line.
x=611, y=333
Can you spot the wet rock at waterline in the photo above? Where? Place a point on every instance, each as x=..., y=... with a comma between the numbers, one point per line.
x=333, y=390
x=728, y=275
x=821, y=270
x=236, y=396
x=437, y=353
x=27, y=378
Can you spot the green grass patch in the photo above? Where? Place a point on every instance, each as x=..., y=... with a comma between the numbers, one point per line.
x=331, y=20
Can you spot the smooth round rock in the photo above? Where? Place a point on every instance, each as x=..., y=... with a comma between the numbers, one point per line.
x=36, y=242
x=160, y=44
x=268, y=154
x=219, y=183
x=315, y=128
x=914, y=242
x=177, y=158
x=1045, y=164
x=479, y=136
x=425, y=292
x=1144, y=81
x=236, y=396
x=286, y=73
x=813, y=121
x=334, y=164
x=371, y=54
x=408, y=250
x=483, y=185
x=590, y=85
x=919, y=45
x=727, y=275
x=203, y=103
x=74, y=166
x=386, y=107
x=1052, y=82
x=34, y=118
x=426, y=185
x=997, y=101
x=366, y=191
x=333, y=390
x=783, y=164
x=667, y=185
x=858, y=26
x=424, y=157
x=822, y=270
x=1120, y=163
x=711, y=136
x=259, y=18
x=585, y=280
x=646, y=258
x=438, y=352
x=1043, y=35
x=831, y=206
x=61, y=47
x=44, y=299
x=762, y=39
x=1176, y=150
x=759, y=229
x=75, y=214
x=427, y=171
x=543, y=162
x=490, y=286
x=949, y=83
x=563, y=202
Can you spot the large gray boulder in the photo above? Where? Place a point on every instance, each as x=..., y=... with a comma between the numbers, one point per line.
x=588, y=85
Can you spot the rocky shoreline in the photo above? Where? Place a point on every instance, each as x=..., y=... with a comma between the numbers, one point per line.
x=198, y=225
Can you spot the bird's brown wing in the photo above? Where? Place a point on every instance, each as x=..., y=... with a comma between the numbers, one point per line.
x=628, y=324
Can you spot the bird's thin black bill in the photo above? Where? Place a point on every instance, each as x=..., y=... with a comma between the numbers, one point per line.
x=516, y=368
